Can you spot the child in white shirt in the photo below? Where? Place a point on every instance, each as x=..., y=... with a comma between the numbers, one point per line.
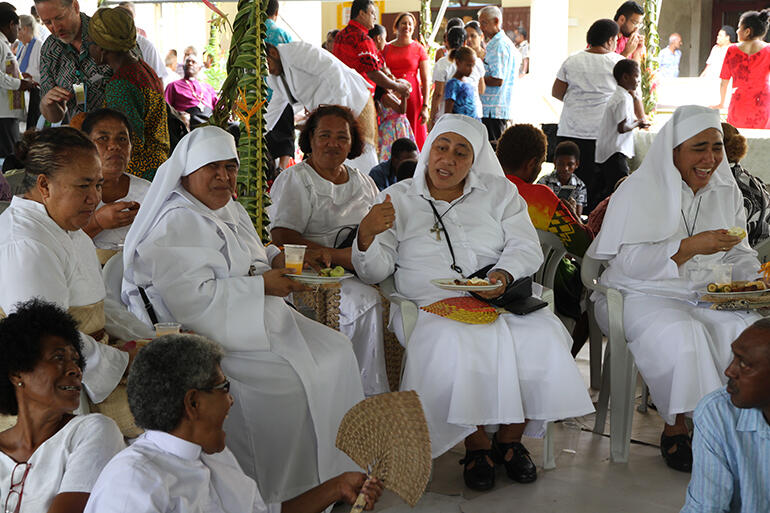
x=615, y=140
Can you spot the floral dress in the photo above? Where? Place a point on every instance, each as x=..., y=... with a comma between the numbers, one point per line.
x=392, y=125
x=136, y=91
x=750, y=103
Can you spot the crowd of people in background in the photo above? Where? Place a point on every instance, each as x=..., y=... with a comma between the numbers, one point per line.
x=120, y=213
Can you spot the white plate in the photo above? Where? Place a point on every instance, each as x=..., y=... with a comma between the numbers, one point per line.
x=736, y=295
x=312, y=278
x=449, y=284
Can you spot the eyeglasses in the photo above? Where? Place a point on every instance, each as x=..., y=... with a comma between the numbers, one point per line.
x=225, y=385
x=18, y=476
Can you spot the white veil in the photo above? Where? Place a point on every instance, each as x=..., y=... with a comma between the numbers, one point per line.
x=646, y=207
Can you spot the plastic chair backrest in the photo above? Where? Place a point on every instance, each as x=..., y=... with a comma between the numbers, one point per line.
x=590, y=270
x=553, y=252
x=112, y=274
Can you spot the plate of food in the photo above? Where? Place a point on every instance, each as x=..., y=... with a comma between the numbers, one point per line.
x=735, y=290
x=465, y=284
x=326, y=275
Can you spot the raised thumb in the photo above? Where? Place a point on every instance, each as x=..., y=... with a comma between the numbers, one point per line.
x=387, y=198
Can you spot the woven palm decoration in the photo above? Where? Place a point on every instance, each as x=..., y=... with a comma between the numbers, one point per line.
x=465, y=309
x=387, y=434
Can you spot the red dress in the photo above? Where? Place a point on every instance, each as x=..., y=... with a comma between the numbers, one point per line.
x=750, y=103
x=404, y=62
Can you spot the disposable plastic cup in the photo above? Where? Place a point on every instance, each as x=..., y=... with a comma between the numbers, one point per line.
x=295, y=257
x=167, y=328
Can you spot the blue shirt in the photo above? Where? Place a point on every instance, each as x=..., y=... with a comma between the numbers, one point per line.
x=669, y=62
x=462, y=94
x=499, y=62
x=381, y=175
x=731, y=458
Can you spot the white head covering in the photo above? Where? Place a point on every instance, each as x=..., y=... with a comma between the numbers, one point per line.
x=647, y=206
x=196, y=149
x=484, y=158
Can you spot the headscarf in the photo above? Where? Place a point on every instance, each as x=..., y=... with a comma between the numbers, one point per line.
x=200, y=147
x=113, y=29
x=484, y=158
x=646, y=208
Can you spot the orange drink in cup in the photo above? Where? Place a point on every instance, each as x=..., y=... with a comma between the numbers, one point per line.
x=295, y=257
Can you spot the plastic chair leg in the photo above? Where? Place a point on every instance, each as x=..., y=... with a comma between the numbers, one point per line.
x=549, y=459
x=604, y=395
x=642, y=408
x=595, y=349
x=622, y=388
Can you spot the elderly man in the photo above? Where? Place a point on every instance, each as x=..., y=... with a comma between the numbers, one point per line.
x=732, y=433
x=306, y=76
x=190, y=95
x=501, y=67
x=354, y=47
x=670, y=56
x=65, y=62
x=178, y=393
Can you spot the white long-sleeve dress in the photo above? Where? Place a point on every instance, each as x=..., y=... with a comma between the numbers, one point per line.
x=40, y=259
x=292, y=379
x=681, y=347
x=326, y=213
x=516, y=368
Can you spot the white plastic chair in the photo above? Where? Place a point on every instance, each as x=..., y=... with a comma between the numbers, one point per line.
x=763, y=250
x=553, y=252
x=409, y=313
x=112, y=274
x=619, y=372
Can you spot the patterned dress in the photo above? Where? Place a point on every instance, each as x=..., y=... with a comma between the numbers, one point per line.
x=392, y=125
x=750, y=103
x=136, y=91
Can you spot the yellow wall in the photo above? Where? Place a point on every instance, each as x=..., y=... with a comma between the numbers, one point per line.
x=582, y=13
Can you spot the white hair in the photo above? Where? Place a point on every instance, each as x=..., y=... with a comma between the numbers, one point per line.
x=25, y=20
x=492, y=11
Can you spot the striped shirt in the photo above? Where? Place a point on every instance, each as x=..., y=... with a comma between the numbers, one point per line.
x=731, y=458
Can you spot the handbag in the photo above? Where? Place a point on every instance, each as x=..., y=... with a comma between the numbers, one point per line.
x=516, y=298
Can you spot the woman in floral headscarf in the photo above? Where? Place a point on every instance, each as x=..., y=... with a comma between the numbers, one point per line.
x=134, y=89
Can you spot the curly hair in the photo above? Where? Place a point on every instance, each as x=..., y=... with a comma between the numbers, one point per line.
x=49, y=151
x=520, y=144
x=567, y=148
x=163, y=372
x=735, y=144
x=21, y=336
x=356, y=142
x=601, y=31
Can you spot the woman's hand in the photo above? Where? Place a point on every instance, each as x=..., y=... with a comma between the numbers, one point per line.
x=424, y=114
x=380, y=218
x=495, y=277
x=276, y=284
x=705, y=243
x=350, y=484
x=116, y=215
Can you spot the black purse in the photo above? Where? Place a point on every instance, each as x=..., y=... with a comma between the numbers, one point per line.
x=517, y=297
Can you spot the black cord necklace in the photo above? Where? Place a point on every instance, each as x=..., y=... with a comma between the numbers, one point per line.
x=691, y=229
x=437, y=230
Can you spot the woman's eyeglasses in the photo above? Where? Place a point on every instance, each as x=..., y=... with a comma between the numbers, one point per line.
x=225, y=385
x=18, y=476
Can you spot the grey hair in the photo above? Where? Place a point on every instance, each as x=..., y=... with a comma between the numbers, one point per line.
x=64, y=3
x=492, y=11
x=163, y=372
x=25, y=20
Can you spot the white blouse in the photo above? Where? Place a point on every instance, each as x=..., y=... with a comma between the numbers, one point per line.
x=590, y=81
x=40, y=259
x=488, y=224
x=648, y=268
x=160, y=473
x=323, y=212
x=69, y=461
x=114, y=238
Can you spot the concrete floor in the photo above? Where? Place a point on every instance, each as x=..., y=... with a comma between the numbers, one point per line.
x=584, y=480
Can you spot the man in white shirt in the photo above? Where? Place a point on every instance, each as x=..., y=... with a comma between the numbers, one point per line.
x=177, y=391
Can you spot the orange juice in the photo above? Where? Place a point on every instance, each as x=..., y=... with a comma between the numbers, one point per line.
x=296, y=267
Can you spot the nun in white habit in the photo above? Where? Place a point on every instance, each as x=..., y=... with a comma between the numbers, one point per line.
x=196, y=254
x=514, y=370
x=306, y=76
x=665, y=236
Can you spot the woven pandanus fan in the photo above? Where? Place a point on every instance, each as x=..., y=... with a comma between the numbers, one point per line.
x=388, y=435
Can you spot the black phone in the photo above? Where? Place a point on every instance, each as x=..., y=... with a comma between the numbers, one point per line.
x=566, y=192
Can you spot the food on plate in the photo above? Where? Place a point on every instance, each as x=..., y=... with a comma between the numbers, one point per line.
x=737, y=231
x=737, y=286
x=329, y=272
x=471, y=282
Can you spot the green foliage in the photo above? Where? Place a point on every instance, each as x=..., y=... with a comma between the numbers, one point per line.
x=649, y=63
x=242, y=90
x=216, y=74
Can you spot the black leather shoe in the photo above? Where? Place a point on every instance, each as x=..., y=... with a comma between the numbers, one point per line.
x=482, y=476
x=681, y=457
x=520, y=467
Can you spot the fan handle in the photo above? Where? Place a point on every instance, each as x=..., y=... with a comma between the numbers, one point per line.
x=360, y=503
